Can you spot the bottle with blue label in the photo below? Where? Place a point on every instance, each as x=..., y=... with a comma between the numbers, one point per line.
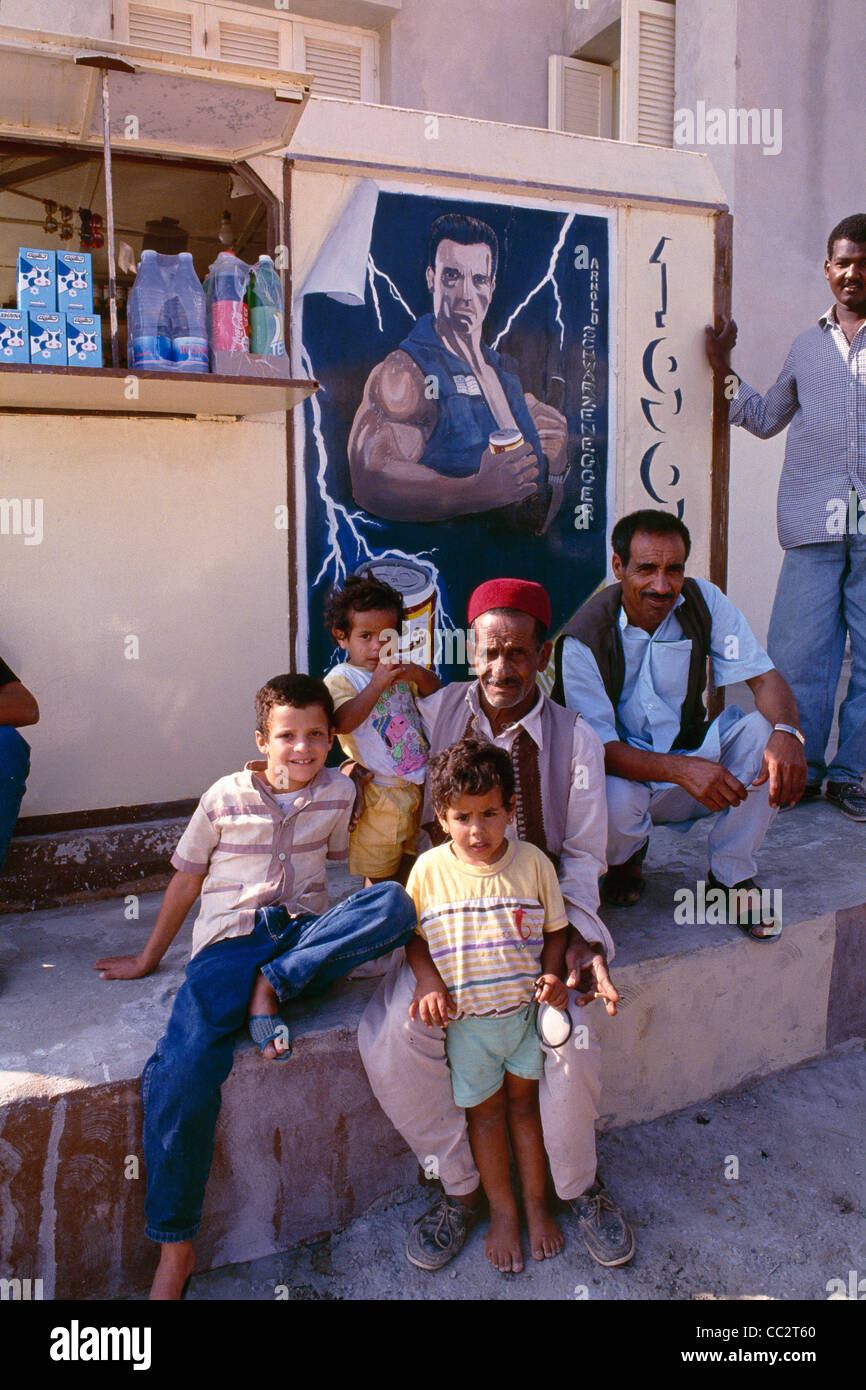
x=149, y=336
x=265, y=299
x=188, y=316
x=167, y=315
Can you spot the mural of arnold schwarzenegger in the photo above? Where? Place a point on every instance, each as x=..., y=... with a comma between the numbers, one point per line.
x=443, y=429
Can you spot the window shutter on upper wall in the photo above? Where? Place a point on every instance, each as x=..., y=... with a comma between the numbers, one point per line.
x=342, y=66
x=244, y=43
x=169, y=28
x=648, y=65
x=579, y=96
x=344, y=62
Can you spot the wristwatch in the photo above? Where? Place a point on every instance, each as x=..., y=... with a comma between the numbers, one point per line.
x=789, y=729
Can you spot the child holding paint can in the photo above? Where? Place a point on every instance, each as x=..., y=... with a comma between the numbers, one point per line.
x=378, y=724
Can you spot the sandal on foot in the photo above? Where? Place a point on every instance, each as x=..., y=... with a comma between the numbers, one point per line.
x=265, y=1028
x=743, y=913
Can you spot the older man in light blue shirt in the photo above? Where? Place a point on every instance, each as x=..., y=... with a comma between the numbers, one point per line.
x=633, y=662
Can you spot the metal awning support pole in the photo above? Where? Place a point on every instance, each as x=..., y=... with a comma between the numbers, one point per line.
x=106, y=62
x=109, y=221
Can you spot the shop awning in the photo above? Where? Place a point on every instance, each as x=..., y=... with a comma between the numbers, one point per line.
x=171, y=103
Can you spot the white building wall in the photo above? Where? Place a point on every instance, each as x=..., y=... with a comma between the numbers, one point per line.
x=738, y=53
x=89, y=17
x=487, y=59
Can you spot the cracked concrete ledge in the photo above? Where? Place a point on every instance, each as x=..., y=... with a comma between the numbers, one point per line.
x=302, y=1150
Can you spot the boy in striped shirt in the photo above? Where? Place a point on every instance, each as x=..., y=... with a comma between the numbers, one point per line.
x=490, y=946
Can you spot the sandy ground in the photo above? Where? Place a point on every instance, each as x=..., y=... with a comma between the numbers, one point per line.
x=790, y=1223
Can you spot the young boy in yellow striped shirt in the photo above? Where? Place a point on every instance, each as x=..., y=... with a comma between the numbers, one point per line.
x=490, y=946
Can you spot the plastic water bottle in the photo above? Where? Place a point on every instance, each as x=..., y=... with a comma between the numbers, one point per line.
x=229, y=317
x=188, y=315
x=266, y=310
x=167, y=315
x=149, y=339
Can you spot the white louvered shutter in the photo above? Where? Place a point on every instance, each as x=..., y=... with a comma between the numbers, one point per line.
x=248, y=43
x=335, y=66
x=168, y=27
x=579, y=96
x=343, y=65
x=344, y=61
x=648, y=63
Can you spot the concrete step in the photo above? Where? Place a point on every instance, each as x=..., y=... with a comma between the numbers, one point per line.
x=303, y=1148
x=83, y=865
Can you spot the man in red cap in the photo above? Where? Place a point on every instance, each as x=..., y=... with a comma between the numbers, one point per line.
x=559, y=772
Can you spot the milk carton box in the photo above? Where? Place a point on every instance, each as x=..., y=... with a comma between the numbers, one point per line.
x=84, y=340
x=74, y=282
x=48, y=339
x=37, y=279
x=14, y=336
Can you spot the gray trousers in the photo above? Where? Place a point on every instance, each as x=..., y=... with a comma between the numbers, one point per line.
x=634, y=807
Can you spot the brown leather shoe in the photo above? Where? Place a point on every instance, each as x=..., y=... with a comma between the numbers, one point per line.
x=441, y=1232
x=607, y=1235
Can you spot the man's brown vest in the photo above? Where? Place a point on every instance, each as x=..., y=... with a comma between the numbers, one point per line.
x=543, y=776
x=596, y=624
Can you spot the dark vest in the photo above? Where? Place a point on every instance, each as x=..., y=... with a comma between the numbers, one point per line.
x=596, y=624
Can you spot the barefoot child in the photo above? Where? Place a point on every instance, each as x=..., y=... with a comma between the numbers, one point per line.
x=490, y=943
x=378, y=724
x=255, y=849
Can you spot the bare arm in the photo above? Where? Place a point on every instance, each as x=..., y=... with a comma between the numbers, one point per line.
x=389, y=434
x=431, y=1000
x=550, y=989
x=553, y=952
x=17, y=706
x=353, y=712
x=179, y=897
x=784, y=760
x=426, y=680
x=708, y=782
x=718, y=346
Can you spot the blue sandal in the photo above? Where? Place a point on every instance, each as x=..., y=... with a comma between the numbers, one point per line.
x=265, y=1028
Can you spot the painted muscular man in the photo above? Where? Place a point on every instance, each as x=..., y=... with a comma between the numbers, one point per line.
x=418, y=449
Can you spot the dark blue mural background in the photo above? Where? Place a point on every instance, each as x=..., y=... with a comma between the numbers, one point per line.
x=343, y=343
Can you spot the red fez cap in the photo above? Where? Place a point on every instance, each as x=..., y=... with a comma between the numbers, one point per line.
x=522, y=594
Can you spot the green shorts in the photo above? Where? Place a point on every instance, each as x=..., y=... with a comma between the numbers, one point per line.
x=481, y=1050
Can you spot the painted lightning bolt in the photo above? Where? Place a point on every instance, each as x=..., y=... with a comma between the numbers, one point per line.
x=372, y=270
x=548, y=279
x=335, y=512
x=347, y=532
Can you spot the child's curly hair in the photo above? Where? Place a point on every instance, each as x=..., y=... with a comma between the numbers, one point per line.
x=359, y=594
x=469, y=768
x=296, y=689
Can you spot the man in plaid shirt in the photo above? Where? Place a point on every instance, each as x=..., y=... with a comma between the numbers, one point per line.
x=821, y=514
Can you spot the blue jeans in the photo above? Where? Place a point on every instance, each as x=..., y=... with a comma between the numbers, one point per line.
x=180, y=1084
x=14, y=767
x=821, y=595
